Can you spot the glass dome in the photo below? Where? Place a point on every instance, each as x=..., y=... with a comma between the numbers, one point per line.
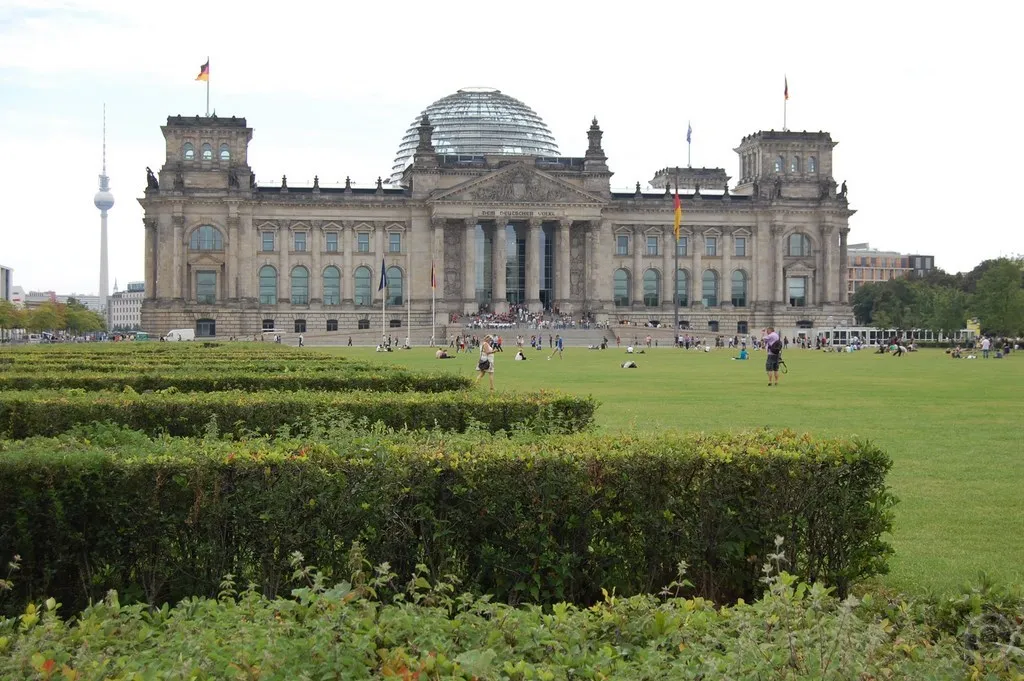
x=477, y=121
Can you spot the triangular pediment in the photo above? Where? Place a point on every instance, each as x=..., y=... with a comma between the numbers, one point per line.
x=517, y=184
x=205, y=259
x=799, y=268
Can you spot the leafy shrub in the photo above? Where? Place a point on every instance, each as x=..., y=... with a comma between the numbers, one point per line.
x=346, y=631
x=27, y=414
x=524, y=518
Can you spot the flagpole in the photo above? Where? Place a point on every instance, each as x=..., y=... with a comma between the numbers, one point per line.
x=433, y=314
x=207, y=89
x=408, y=317
x=675, y=288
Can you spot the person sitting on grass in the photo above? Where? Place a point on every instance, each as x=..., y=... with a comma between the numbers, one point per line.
x=441, y=354
x=743, y=354
x=520, y=357
x=629, y=365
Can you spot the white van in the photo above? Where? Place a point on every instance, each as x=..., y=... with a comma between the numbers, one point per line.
x=180, y=335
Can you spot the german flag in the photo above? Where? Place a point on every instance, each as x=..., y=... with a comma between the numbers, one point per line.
x=678, y=215
x=204, y=71
x=433, y=279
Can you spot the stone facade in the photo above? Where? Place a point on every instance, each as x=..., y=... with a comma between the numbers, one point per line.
x=231, y=258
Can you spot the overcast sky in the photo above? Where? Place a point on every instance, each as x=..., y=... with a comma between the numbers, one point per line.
x=919, y=95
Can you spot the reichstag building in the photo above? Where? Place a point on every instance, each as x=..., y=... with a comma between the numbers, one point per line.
x=480, y=197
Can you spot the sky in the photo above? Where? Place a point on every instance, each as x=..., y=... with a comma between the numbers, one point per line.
x=923, y=98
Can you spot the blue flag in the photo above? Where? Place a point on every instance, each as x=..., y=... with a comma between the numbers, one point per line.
x=383, y=276
x=689, y=131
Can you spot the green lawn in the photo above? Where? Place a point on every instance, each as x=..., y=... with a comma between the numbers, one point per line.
x=954, y=428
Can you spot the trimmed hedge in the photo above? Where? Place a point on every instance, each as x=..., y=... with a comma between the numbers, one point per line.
x=28, y=414
x=381, y=380
x=538, y=519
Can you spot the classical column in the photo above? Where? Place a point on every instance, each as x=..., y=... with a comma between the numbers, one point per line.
x=562, y=261
x=533, y=261
x=499, y=266
x=232, y=259
x=844, y=264
x=726, y=282
x=315, y=243
x=469, y=266
x=780, y=274
x=589, y=244
x=151, y=270
x=637, y=294
x=347, y=277
x=697, y=271
x=824, y=268
x=668, y=273
x=604, y=266
x=284, y=270
x=379, y=250
x=247, y=240
x=437, y=255
x=179, y=261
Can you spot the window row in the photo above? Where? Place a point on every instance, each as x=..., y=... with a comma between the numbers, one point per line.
x=209, y=238
x=652, y=288
x=188, y=152
x=362, y=291
x=654, y=244
x=207, y=328
x=795, y=164
x=268, y=242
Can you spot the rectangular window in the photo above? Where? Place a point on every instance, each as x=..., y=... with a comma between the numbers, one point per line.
x=652, y=245
x=300, y=241
x=268, y=324
x=394, y=242
x=713, y=327
x=268, y=241
x=681, y=246
x=206, y=328
x=622, y=245
x=741, y=246
x=206, y=288
x=363, y=242
x=797, y=291
x=300, y=326
x=332, y=242
x=741, y=327
x=332, y=324
x=711, y=246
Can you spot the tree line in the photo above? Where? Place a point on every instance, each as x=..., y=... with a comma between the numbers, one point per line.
x=73, y=317
x=993, y=292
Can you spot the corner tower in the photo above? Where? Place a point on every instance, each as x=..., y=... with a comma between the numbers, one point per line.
x=786, y=164
x=206, y=152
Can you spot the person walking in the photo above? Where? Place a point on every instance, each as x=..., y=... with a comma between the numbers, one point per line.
x=486, y=363
x=986, y=346
x=558, y=347
x=773, y=345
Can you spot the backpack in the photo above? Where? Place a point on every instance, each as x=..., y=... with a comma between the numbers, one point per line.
x=776, y=347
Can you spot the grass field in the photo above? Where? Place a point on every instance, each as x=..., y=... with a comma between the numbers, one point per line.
x=954, y=428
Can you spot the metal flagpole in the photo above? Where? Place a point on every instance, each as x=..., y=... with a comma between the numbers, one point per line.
x=433, y=314
x=408, y=317
x=207, y=88
x=785, y=102
x=675, y=292
x=383, y=299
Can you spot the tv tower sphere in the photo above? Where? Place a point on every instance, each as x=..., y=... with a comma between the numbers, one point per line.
x=103, y=200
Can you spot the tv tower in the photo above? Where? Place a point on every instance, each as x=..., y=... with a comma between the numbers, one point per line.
x=104, y=200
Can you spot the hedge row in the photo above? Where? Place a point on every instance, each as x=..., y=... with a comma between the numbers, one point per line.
x=35, y=413
x=205, y=365
x=198, y=380
x=538, y=519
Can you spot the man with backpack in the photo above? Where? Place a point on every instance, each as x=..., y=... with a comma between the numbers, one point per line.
x=773, y=345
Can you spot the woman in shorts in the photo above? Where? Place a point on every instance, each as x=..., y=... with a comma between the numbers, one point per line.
x=486, y=363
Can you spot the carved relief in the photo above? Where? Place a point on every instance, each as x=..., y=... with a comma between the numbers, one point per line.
x=453, y=256
x=520, y=185
x=577, y=262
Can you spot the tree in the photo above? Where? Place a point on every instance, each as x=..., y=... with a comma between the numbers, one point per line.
x=948, y=312
x=999, y=299
x=10, y=316
x=81, y=320
x=46, y=317
x=863, y=302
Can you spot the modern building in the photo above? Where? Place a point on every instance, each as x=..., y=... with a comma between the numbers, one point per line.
x=6, y=283
x=18, y=296
x=124, y=308
x=510, y=225
x=869, y=265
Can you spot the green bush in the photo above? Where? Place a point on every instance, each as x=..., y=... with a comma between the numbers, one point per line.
x=199, y=380
x=343, y=631
x=32, y=413
x=525, y=518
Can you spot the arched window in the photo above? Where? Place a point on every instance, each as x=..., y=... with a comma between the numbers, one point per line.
x=709, y=288
x=206, y=238
x=362, y=288
x=683, y=288
x=332, y=286
x=268, y=286
x=188, y=152
x=300, y=285
x=394, y=286
x=812, y=164
x=621, y=292
x=794, y=164
x=779, y=164
x=799, y=245
x=652, y=288
x=207, y=152
x=225, y=153
x=739, y=288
